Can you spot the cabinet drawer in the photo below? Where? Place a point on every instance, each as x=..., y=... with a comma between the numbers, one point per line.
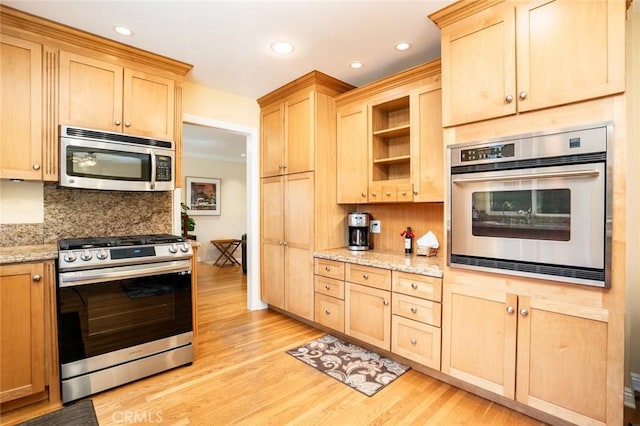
x=329, y=312
x=329, y=268
x=329, y=286
x=416, y=341
x=369, y=276
x=418, y=285
x=416, y=309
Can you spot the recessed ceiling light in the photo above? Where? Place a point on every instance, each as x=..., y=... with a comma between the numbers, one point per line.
x=122, y=30
x=283, y=47
x=403, y=45
x=356, y=65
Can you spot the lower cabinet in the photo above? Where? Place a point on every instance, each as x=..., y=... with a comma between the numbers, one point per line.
x=27, y=342
x=549, y=355
x=368, y=314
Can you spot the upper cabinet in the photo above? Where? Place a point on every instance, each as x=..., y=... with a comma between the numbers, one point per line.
x=290, y=118
x=501, y=58
x=390, y=139
x=21, y=109
x=106, y=96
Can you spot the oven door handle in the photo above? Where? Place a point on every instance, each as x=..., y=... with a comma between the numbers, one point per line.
x=92, y=276
x=529, y=176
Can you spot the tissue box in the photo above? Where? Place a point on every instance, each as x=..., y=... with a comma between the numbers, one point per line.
x=426, y=251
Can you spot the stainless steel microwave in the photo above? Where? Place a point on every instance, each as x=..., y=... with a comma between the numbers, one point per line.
x=95, y=159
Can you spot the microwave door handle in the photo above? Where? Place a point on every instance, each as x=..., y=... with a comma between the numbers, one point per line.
x=530, y=176
x=153, y=170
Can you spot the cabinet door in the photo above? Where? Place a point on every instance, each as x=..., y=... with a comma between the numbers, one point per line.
x=562, y=359
x=272, y=238
x=352, y=155
x=299, y=124
x=427, y=145
x=148, y=105
x=298, y=237
x=478, y=67
x=368, y=314
x=272, y=140
x=22, y=323
x=479, y=337
x=580, y=56
x=20, y=109
x=90, y=93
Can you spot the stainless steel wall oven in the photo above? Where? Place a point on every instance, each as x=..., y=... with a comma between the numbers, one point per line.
x=535, y=205
x=124, y=310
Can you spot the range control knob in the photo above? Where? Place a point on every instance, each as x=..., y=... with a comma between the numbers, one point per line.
x=102, y=254
x=173, y=248
x=86, y=255
x=70, y=257
x=184, y=247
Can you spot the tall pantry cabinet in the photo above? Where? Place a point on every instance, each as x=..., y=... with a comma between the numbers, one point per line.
x=298, y=188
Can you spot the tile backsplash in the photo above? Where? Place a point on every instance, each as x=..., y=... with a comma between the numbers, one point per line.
x=75, y=213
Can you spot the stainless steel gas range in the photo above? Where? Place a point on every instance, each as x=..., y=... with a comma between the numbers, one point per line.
x=124, y=310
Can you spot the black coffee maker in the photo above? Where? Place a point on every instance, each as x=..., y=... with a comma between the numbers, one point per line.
x=358, y=231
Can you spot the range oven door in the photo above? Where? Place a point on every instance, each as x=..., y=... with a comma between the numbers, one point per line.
x=102, y=312
x=545, y=222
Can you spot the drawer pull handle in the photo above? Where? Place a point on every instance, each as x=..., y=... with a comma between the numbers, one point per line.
x=327, y=286
x=414, y=341
x=385, y=302
x=327, y=268
x=363, y=194
x=414, y=310
x=365, y=276
x=36, y=278
x=414, y=286
x=328, y=312
x=388, y=194
x=404, y=192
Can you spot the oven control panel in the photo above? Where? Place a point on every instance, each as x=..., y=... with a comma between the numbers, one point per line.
x=491, y=152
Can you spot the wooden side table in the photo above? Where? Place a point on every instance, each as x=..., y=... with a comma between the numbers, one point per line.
x=227, y=248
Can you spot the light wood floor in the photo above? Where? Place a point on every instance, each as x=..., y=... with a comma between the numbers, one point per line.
x=242, y=375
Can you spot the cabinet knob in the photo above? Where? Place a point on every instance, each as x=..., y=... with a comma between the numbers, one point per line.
x=364, y=194
x=365, y=276
x=388, y=194
x=404, y=193
x=284, y=243
x=522, y=95
x=118, y=122
x=508, y=99
x=127, y=124
x=373, y=194
x=328, y=312
x=327, y=286
x=510, y=310
x=414, y=286
x=385, y=302
x=414, y=341
x=414, y=310
x=284, y=166
x=415, y=192
x=524, y=312
x=327, y=268
x=36, y=167
x=36, y=278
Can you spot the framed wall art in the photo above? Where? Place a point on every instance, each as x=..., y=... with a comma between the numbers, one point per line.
x=203, y=196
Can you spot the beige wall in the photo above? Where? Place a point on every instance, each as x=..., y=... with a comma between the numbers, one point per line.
x=632, y=355
x=210, y=103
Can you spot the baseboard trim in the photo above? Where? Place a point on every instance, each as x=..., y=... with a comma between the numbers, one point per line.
x=629, y=398
x=635, y=381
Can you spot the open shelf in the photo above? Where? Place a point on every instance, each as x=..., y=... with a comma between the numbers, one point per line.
x=391, y=141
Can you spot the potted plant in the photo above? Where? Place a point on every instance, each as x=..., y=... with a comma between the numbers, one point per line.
x=188, y=224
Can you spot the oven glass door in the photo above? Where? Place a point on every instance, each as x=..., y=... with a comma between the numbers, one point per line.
x=550, y=215
x=98, y=316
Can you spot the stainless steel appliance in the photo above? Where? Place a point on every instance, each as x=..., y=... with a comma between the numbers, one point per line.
x=535, y=205
x=124, y=310
x=359, y=231
x=95, y=159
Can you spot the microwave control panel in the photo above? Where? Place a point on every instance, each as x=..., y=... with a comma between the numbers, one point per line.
x=488, y=152
x=163, y=168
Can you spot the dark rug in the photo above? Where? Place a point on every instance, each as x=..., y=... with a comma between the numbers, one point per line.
x=81, y=413
x=363, y=370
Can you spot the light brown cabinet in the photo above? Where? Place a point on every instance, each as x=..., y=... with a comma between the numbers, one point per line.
x=549, y=355
x=329, y=294
x=107, y=96
x=368, y=304
x=21, y=105
x=501, y=59
x=352, y=154
x=287, y=243
x=27, y=340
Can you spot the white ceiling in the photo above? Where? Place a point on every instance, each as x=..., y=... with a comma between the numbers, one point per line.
x=228, y=41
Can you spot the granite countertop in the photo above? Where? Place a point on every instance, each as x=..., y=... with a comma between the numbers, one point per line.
x=422, y=265
x=34, y=253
